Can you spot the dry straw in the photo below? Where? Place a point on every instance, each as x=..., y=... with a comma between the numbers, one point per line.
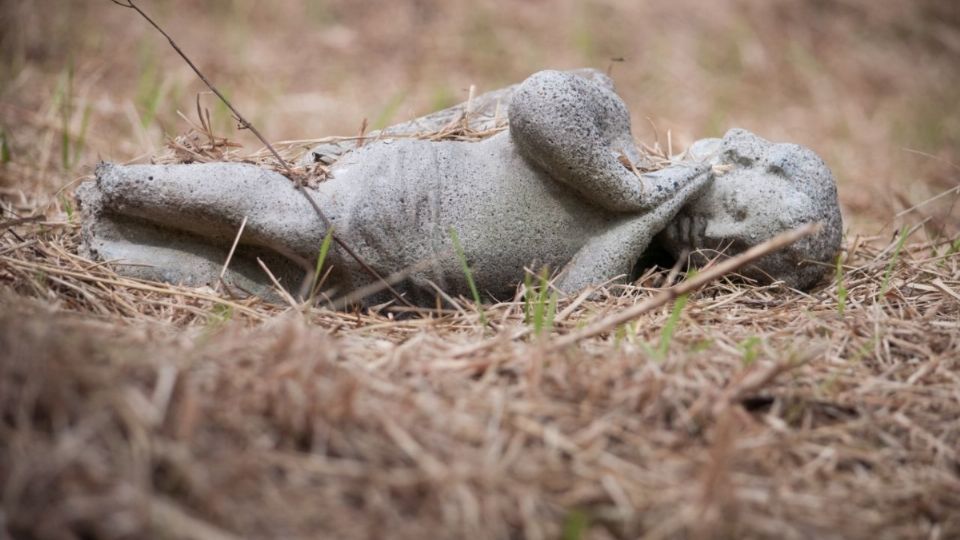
x=135, y=409
x=131, y=409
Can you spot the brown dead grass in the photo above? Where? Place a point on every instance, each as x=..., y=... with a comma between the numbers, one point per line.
x=132, y=409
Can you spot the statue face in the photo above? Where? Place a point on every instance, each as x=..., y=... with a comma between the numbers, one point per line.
x=759, y=196
x=740, y=209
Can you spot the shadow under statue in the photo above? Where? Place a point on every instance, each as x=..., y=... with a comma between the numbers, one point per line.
x=554, y=189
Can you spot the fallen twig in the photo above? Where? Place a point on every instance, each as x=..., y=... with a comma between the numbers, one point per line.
x=233, y=248
x=20, y=221
x=245, y=124
x=667, y=295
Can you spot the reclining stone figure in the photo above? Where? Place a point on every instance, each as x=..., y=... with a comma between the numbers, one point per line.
x=557, y=188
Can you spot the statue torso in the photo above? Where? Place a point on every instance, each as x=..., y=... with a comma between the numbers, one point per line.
x=395, y=201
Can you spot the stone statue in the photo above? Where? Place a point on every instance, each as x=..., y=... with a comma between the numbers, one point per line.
x=560, y=188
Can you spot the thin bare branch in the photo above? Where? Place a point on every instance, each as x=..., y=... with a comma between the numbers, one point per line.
x=245, y=124
x=730, y=265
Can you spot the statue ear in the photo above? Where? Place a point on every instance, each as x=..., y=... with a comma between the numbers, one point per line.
x=799, y=164
x=704, y=151
x=596, y=76
x=743, y=148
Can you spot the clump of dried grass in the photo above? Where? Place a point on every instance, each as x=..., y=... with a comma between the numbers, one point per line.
x=134, y=409
x=201, y=145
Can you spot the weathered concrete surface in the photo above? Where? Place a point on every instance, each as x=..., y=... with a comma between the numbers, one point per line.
x=155, y=222
x=550, y=191
x=769, y=188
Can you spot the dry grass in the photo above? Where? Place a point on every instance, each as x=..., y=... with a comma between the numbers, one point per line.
x=132, y=409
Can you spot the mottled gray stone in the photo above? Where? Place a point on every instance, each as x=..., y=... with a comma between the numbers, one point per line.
x=550, y=191
x=175, y=223
x=766, y=188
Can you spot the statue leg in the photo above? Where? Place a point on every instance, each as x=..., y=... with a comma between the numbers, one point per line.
x=210, y=200
x=176, y=223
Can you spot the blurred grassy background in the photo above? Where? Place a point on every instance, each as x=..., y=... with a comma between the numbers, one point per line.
x=872, y=85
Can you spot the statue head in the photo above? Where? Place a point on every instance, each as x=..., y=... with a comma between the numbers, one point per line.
x=760, y=189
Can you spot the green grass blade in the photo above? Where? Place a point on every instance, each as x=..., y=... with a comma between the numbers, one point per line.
x=666, y=336
x=66, y=112
x=4, y=148
x=544, y=308
x=885, y=284
x=528, y=298
x=841, y=287
x=389, y=110
x=321, y=258
x=468, y=274
x=539, y=306
x=751, y=350
x=65, y=149
x=67, y=206
x=81, y=139
x=149, y=85
x=575, y=524
x=954, y=247
x=551, y=310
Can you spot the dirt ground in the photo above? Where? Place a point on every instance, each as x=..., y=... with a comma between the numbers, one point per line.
x=138, y=410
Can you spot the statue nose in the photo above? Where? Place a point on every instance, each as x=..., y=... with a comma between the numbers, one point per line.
x=722, y=229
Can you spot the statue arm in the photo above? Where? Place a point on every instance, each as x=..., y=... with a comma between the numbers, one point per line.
x=487, y=111
x=578, y=132
x=616, y=251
